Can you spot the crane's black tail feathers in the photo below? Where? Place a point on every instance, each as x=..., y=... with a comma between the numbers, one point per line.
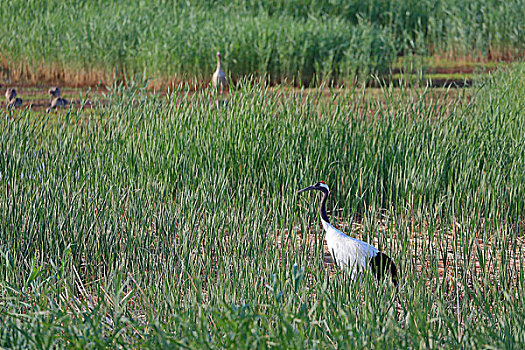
x=381, y=264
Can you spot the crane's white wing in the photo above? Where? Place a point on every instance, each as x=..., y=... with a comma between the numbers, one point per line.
x=347, y=251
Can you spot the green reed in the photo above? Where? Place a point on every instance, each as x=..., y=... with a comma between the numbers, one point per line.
x=305, y=42
x=162, y=221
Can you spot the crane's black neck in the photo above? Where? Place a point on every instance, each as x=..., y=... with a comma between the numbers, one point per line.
x=324, y=216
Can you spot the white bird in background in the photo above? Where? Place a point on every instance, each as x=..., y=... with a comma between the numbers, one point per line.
x=219, y=78
x=349, y=252
x=12, y=100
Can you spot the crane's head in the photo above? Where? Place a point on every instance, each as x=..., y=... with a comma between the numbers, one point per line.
x=320, y=186
x=218, y=54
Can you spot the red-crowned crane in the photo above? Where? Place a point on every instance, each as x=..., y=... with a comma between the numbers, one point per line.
x=351, y=253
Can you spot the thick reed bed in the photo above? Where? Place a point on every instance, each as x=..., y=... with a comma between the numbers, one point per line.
x=155, y=221
x=84, y=42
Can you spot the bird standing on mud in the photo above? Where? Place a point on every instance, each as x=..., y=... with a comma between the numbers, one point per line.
x=351, y=253
x=12, y=100
x=219, y=79
x=56, y=100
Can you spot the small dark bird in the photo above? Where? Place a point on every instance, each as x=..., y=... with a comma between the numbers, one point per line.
x=12, y=100
x=54, y=92
x=57, y=102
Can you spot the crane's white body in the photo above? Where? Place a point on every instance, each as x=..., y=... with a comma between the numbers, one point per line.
x=219, y=78
x=348, y=252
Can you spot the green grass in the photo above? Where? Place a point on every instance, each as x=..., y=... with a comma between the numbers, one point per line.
x=154, y=221
x=304, y=41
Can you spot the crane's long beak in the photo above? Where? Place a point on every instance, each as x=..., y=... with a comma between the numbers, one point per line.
x=306, y=189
